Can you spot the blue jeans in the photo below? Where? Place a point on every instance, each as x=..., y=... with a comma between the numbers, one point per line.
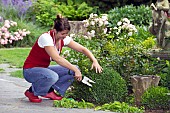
x=42, y=79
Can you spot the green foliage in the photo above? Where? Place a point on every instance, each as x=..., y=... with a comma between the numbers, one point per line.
x=115, y=107
x=75, y=11
x=9, y=12
x=139, y=16
x=46, y=11
x=120, y=107
x=156, y=98
x=71, y=103
x=109, y=87
x=164, y=74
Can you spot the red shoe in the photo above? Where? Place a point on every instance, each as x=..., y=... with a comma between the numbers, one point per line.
x=53, y=96
x=32, y=97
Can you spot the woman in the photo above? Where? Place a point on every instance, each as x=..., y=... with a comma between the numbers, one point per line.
x=45, y=79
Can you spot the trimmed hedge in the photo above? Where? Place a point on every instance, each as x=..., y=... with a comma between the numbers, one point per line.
x=109, y=87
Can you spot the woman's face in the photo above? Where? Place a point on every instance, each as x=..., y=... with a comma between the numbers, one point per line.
x=62, y=34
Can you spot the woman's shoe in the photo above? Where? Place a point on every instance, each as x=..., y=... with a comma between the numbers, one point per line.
x=32, y=97
x=53, y=96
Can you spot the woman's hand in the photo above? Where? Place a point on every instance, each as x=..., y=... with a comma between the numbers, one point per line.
x=97, y=67
x=78, y=75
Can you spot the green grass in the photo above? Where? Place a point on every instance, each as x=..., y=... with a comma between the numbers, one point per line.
x=1, y=70
x=17, y=74
x=14, y=56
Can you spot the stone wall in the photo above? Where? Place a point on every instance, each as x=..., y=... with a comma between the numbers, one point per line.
x=77, y=27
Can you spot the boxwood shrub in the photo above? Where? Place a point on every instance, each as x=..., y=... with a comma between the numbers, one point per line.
x=156, y=98
x=109, y=87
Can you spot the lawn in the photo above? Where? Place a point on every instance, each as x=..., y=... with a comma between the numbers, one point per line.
x=14, y=56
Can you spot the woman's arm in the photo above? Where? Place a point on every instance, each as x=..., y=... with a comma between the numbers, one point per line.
x=76, y=46
x=63, y=62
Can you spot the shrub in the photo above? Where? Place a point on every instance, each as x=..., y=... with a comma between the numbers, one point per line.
x=156, y=98
x=46, y=11
x=10, y=33
x=15, y=8
x=139, y=16
x=109, y=87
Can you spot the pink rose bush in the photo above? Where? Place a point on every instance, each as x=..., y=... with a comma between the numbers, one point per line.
x=9, y=34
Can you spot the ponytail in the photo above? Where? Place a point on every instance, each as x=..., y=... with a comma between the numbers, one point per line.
x=61, y=23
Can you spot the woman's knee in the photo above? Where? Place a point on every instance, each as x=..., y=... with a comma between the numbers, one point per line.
x=53, y=78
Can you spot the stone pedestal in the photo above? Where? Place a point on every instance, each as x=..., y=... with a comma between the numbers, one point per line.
x=141, y=83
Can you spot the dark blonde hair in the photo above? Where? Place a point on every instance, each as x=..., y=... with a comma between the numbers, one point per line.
x=61, y=23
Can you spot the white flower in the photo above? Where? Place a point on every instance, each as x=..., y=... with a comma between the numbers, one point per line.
x=130, y=34
x=91, y=15
x=104, y=17
x=119, y=23
x=126, y=20
x=117, y=33
x=100, y=23
x=106, y=22
x=86, y=37
x=158, y=58
x=115, y=28
x=95, y=15
x=96, y=19
x=92, y=23
x=86, y=23
x=105, y=30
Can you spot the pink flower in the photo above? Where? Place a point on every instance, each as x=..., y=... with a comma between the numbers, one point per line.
x=2, y=41
x=7, y=22
x=28, y=32
x=7, y=25
x=18, y=35
x=24, y=33
x=7, y=35
x=12, y=37
x=6, y=41
x=13, y=23
x=20, y=38
x=10, y=41
x=15, y=33
x=4, y=29
x=16, y=38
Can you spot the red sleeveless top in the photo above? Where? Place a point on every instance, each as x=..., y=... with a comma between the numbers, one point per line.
x=38, y=57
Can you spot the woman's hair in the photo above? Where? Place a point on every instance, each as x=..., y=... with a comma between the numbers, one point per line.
x=61, y=23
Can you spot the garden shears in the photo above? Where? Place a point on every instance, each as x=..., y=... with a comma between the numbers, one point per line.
x=87, y=81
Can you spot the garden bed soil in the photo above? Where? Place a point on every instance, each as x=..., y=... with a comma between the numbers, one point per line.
x=157, y=111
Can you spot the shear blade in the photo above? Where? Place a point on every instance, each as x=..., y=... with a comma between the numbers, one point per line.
x=86, y=81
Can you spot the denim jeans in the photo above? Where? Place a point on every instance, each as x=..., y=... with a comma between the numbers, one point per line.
x=42, y=79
